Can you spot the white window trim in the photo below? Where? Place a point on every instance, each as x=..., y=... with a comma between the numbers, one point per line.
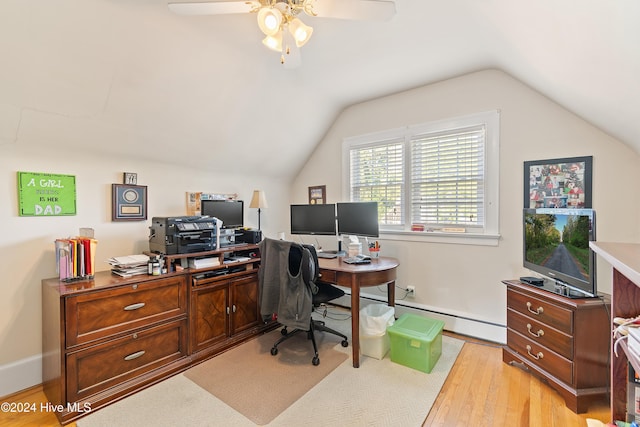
x=491, y=119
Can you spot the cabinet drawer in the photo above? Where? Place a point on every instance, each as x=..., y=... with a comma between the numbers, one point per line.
x=541, y=356
x=541, y=333
x=540, y=310
x=101, y=314
x=108, y=364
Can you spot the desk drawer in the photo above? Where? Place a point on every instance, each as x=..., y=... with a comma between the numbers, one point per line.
x=328, y=276
x=541, y=311
x=108, y=364
x=101, y=314
x=541, y=356
x=541, y=333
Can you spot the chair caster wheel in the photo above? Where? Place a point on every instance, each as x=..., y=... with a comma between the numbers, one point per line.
x=315, y=361
x=284, y=332
x=345, y=343
x=274, y=351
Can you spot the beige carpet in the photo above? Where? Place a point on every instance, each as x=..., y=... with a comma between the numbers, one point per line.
x=379, y=393
x=249, y=373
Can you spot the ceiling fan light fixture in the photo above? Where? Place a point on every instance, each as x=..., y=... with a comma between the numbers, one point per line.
x=269, y=20
x=300, y=31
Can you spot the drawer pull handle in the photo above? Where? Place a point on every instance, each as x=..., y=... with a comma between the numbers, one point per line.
x=538, y=311
x=134, y=355
x=535, y=334
x=134, y=306
x=535, y=356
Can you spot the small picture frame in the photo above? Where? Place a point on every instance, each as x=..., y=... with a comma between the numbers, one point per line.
x=558, y=183
x=129, y=202
x=130, y=178
x=318, y=195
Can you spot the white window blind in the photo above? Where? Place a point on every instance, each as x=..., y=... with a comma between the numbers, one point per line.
x=447, y=178
x=377, y=174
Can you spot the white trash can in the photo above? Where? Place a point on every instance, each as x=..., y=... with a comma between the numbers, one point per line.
x=374, y=319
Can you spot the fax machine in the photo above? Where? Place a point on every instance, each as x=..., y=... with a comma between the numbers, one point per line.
x=183, y=234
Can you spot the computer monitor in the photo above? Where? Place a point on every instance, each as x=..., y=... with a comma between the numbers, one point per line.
x=358, y=219
x=230, y=212
x=313, y=219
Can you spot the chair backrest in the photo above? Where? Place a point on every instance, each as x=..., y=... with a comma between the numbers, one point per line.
x=305, y=257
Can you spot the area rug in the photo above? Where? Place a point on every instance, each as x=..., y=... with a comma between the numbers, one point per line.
x=249, y=374
x=379, y=393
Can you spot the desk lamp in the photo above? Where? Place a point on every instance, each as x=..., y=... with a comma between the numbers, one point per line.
x=258, y=201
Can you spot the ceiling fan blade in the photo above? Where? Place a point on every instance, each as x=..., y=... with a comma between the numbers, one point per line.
x=212, y=8
x=364, y=10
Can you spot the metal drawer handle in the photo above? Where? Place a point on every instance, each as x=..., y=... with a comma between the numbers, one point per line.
x=134, y=355
x=535, y=334
x=134, y=306
x=535, y=356
x=537, y=311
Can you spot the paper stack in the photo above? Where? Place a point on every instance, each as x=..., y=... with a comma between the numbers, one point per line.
x=129, y=265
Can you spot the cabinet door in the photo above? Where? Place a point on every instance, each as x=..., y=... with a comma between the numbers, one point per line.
x=210, y=320
x=245, y=312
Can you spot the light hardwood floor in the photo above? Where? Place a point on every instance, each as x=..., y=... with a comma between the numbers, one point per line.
x=480, y=391
x=483, y=391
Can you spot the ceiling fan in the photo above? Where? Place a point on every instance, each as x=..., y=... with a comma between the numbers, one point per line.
x=280, y=20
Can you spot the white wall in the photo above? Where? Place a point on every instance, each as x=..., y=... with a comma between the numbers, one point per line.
x=26, y=245
x=465, y=281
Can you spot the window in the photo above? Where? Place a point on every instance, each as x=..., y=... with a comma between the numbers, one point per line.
x=443, y=175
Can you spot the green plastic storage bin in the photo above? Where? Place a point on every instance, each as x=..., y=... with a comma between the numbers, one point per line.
x=416, y=341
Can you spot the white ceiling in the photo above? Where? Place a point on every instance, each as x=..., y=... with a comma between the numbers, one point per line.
x=132, y=77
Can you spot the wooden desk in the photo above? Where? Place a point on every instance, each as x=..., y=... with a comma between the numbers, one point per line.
x=356, y=276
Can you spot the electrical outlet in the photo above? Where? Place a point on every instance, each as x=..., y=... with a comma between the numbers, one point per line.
x=411, y=291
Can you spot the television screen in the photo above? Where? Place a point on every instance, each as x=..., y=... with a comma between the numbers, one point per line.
x=230, y=212
x=556, y=245
x=358, y=219
x=313, y=219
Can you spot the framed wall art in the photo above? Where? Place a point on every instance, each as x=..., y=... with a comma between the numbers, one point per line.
x=46, y=194
x=558, y=183
x=318, y=195
x=129, y=202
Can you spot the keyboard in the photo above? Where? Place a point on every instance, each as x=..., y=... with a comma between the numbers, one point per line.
x=358, y=259
x=326, y=255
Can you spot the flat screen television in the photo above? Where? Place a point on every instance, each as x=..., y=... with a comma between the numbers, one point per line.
x=313, y=219
x=230, y=212
x=358, y=219
x=556, y=245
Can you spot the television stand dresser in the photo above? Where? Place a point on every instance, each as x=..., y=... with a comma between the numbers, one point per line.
x=107, y=338
x=563, y=341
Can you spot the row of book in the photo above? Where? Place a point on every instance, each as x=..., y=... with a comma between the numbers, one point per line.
x=75, y=258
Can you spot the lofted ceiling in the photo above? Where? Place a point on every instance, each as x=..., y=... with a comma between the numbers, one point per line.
x=129, y=76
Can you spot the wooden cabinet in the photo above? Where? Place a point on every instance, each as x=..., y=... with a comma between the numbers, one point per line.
x=103, y=339
x=109, y=337
x=561, y=340
x=624, y=259
x=224, y=310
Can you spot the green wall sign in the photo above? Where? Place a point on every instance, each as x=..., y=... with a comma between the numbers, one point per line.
x=46, y=194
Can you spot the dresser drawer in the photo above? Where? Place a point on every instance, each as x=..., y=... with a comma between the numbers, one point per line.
x=97, y=315
x=541, y=333
x=111, y=363
x=540, y=310
x=538, y=355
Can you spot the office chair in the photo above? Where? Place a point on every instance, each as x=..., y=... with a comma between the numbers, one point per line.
x=302, y=260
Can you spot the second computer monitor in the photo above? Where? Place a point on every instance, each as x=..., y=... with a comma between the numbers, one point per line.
x=313, y=219
x=358, y=219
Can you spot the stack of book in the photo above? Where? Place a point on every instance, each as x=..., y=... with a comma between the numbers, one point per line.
x=130, y=265
x=75, y=258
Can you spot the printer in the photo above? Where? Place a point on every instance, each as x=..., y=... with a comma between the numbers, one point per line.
x=183, y=234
